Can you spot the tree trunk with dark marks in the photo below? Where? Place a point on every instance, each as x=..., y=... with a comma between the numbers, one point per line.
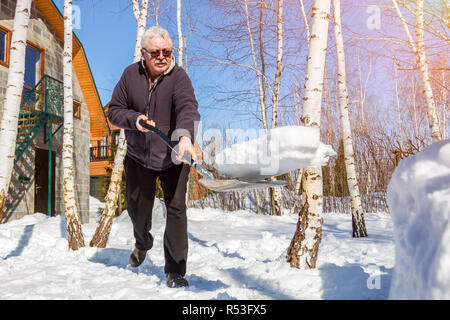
x=73, y=224
x=13, y=95
x=304, y=248
x=358, y=224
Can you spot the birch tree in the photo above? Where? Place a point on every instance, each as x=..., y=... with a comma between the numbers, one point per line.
x=358, y=224
x=260, y=75
x=418, y=50
x=304, y=247
x=423, y=67
x=11, y=106
x=156, y=10
x=141, y=18
x=275, y=193
x=73, y=224
x=103, y=230
x=305, y=21
x=180, y=35
x=298, y=181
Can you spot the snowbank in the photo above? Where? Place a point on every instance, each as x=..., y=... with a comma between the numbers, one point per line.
x=419, y=200
x=281, y=150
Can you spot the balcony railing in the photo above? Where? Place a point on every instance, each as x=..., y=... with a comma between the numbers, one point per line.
x=101, y=153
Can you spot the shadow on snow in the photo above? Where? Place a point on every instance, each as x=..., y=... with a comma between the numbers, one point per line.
x=351, y=282
x=23, y=242
x=119, y=258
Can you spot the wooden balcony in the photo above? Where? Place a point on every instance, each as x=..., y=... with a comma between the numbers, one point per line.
x=101, y=153
x=100, y=159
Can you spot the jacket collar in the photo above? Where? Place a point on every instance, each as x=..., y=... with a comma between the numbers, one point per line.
x=144, y=68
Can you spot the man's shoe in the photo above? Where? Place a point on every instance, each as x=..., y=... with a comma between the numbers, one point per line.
x=176, y=280
x=137, y=257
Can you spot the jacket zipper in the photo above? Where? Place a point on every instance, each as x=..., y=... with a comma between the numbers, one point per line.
x=150, y=91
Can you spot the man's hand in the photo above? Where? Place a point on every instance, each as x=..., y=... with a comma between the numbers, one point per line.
x=144, y=117
x=186, y=145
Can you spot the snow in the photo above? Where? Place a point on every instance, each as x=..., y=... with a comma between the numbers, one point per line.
x=281, y=150
x=241, y=255
x=232, y=255
x=419, y=199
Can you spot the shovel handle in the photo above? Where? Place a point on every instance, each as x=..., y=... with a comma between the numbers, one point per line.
x=200, y=169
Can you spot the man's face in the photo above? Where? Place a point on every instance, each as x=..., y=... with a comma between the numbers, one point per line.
x=157, y=55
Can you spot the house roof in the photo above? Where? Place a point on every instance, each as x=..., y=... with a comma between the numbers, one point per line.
x=82, y=69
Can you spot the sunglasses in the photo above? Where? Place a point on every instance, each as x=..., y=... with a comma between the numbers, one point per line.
x=156, y=53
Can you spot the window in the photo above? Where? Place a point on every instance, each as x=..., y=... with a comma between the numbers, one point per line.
x=34, y=65
x=103, y=146
x=76, y=109
x=116, y=136
x=5, y=36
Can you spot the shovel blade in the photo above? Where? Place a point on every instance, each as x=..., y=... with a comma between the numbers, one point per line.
x=239, y=185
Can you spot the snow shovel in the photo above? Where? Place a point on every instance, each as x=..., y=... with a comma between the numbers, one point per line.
x=208, y=180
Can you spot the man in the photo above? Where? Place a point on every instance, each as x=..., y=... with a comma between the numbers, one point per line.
x=158, y=91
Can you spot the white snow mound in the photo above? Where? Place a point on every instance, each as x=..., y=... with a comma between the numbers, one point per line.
x=281, y=150
x=419, y=200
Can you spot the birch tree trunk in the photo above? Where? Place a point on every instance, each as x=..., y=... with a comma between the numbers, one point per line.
x=180, y=35
x=259, y=75
x=11, y=106
x=279, y=70
x=358, y=224
x=103, y=230
x=275, y=193
x=139, y=15
x=298, y=181
x=444, y=106
x=305, y=20
x=304, y=247
x=419, y=52
x=263, y=98
x=423, y=66
x=73, y=224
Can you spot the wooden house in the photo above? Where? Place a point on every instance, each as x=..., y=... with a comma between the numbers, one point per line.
x=101, y=156
x=36, y=184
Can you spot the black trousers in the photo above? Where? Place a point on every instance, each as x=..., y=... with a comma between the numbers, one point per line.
x=140, y=194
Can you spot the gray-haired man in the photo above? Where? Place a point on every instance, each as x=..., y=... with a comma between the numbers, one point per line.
x=155, y=89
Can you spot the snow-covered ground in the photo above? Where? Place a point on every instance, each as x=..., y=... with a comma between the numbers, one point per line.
x=232, y=255
x=241, y=255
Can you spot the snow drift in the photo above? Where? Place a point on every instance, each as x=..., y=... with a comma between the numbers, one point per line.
x=281, y=150
x=419, y=200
